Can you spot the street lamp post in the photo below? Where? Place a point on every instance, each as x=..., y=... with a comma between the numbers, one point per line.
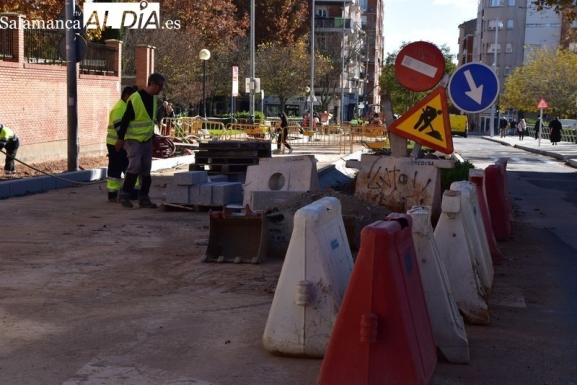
x=204, y=55
x=492, y=122
x=307, y=90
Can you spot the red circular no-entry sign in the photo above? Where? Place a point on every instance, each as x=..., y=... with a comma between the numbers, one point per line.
x=420, y=66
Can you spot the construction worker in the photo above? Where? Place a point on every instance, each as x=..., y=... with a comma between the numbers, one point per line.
x=9, y=140
x=117, y=160
x=135, y=135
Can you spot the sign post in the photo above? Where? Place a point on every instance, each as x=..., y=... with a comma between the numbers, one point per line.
x=541, y=106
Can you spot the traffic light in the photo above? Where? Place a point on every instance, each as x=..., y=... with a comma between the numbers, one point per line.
x=498, y=108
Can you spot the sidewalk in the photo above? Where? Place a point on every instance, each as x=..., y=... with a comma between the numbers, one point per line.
x=563, y=150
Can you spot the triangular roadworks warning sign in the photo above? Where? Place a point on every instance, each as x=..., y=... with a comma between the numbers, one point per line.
x=542, y=104
x=427, y=123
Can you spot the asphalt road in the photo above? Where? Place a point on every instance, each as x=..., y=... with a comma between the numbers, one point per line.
x=91, y=294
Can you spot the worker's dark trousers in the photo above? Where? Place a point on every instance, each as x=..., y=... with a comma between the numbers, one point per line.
x=11, y=150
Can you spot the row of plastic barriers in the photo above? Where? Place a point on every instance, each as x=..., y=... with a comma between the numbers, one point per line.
x=382, y=318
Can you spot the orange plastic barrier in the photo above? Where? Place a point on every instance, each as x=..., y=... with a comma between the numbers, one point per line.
x=382, y=334
x=502, y=162
x=479, y=180
x=497, y=202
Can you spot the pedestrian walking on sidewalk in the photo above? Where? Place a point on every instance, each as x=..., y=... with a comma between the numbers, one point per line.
x=283, y=134
x=503, y=125
x=555, y=129
x=135, y=135
x=521, y=128
x=10, y=142
x=538, y=125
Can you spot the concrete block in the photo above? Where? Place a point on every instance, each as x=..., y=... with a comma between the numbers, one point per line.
x=177, y=194
x=219, y=178
x=290, y=173
x=263, y=200
x=187, y=178
x=205, y=194
x=194, y=194
x=226, y=192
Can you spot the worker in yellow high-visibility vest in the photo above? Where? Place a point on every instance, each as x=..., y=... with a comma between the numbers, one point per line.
x=135, y=135
x=10, y=141
x=117, y=160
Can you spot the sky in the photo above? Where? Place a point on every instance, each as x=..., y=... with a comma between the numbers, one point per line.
x=435, y=21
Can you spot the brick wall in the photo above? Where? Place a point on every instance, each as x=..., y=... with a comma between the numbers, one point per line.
x=34, y=105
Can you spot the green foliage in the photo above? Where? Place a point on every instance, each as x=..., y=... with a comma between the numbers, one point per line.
x=549, y=74
x=458, y=173
x=245, y=115
x=401, y=98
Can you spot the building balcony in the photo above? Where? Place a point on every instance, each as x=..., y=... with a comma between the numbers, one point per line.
x=332, y=24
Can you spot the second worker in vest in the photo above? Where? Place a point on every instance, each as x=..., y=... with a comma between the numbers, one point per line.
x=135, y=135
x=117, y=160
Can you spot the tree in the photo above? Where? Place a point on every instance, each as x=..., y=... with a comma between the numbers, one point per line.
x=215, y=22
x=402, y=98
x=283, y=69
x=547, y=74
x=284, y=21
x=566, y=7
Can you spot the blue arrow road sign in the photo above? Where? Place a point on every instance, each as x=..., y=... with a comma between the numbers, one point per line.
x=474, y=87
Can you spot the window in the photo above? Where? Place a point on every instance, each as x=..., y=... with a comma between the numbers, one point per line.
x=497, y=3
x=507, y=70
x=510, y=24
x=491, y=48
x=321, y=12
x=511, y=3
x=508, y=47
x=493, y=24
x=573, y=47
x=497, y=71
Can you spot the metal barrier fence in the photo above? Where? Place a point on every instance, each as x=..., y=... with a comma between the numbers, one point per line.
x=372, y=137
x=191, y=128
x=333, y=137
x=567, y=134
x=246, y=131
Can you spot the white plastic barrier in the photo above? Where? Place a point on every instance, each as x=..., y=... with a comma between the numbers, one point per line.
x=312, y=283
x=455, y=252
x=280, y=174
x=475, y=230
x=446, y=322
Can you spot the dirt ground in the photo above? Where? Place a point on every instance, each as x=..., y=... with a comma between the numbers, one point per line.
x=93, y=293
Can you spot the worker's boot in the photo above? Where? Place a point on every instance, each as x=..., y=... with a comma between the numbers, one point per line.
x=124, y=200
x=113, y=196
x=146, y=203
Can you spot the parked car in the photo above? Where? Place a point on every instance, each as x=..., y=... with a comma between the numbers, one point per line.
x=459, y=125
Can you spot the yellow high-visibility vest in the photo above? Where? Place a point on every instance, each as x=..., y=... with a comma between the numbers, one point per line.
x=115, y=117
x=141, y=128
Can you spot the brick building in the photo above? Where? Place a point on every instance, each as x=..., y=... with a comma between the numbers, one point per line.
x=34, y=89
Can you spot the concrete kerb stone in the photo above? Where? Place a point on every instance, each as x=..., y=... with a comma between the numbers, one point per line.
x=27, y=186
x=565, y=152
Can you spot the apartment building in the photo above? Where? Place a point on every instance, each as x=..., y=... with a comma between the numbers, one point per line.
x=352, y=31
x=506, y=32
